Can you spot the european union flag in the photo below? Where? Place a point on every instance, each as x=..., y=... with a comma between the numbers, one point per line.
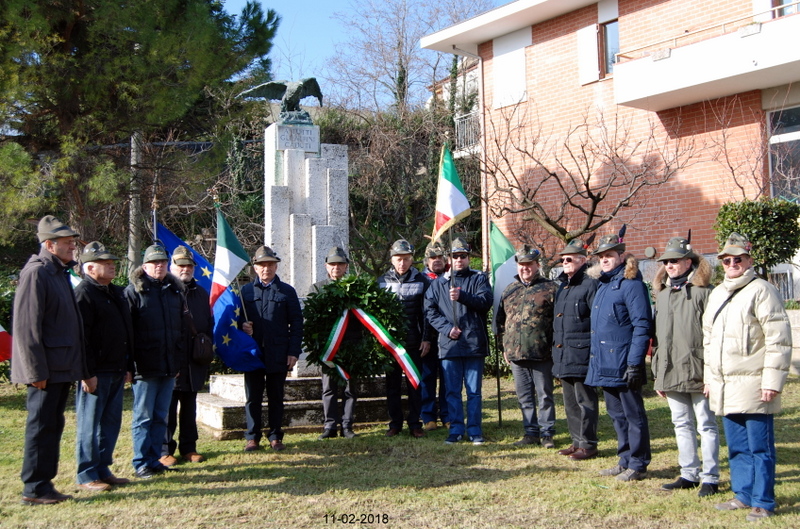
x=235, y=347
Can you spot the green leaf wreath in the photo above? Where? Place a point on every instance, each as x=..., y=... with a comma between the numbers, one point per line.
x=360, y=353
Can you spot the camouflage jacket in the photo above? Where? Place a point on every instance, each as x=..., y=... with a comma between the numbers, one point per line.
x=525, y=320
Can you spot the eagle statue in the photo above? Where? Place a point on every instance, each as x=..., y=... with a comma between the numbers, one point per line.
x=290, y=93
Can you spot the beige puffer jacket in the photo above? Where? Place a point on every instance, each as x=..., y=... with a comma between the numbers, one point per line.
x=747, y=348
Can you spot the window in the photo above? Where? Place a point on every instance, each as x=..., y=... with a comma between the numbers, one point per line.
x=784, y=153
x=510, y=80
x=609, y=46
x=790, y=10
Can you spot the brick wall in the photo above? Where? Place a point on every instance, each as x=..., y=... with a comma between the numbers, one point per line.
x=725, y=136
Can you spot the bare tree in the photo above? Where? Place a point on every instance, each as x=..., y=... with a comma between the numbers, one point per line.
x=574, y=183
x=382, y=66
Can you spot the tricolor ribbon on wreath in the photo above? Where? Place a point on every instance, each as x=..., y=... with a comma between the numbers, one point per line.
x=373, y=325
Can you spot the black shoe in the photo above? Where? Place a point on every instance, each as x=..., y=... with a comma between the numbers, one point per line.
x=145, y=473
x=680, y=483
x=708, y=489
x=348, y=433
x=328, y=433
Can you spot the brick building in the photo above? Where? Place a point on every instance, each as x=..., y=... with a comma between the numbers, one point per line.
x=616, y=95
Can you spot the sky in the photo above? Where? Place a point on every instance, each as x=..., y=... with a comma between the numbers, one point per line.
x=306, y=35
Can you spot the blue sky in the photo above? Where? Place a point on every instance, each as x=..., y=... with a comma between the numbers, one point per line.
x=305, y=37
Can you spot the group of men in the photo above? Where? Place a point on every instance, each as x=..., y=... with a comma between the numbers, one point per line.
x=724, y=351
x=104, y=336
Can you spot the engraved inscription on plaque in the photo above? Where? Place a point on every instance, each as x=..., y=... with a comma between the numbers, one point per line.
x=301, y=138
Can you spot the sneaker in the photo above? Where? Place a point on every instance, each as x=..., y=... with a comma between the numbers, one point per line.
x=430, y=426
x=145, y=473
x=527, y=440
x=708, y=489
x=477, y=439
x=453, y=438
x=547, y=442
x=168, y=460
x=348, y=433
x=328, y=433
x=680, y=483
x=613, y=471
x=731, y=505
x=758, y=514
x=630, y=474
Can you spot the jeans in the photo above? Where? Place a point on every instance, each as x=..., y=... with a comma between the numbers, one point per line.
x=752, y=458
x=466, y=372
x=691, y=415
x=431, y=373
x=151, y=398
x=582, y=410
x=626, y=408
x=99, y=418
x=254, y=384
x=533, y=382
x=330, y=403
x=186, y=420
x=43, y=430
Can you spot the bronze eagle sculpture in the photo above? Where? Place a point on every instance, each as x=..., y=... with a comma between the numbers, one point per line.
x=289, y=92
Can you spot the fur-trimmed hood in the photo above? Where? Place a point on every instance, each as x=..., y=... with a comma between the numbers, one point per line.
x=140, y=280
x=631, y=268
x=700, y=276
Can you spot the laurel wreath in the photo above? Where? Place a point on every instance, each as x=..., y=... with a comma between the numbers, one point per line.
x=364, y=357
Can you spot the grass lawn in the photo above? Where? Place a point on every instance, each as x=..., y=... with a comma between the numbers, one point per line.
x=397, y=482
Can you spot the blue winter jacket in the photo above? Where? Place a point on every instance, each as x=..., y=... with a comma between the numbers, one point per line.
x=621, y=325
x=472, y=306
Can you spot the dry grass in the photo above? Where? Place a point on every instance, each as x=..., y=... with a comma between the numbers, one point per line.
x=406, y=482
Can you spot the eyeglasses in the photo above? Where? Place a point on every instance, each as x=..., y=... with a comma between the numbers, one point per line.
x=727, y=261
x=567, y=259
x=460, y=256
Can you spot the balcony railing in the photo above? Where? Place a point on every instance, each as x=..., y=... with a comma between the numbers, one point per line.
x=468, y=131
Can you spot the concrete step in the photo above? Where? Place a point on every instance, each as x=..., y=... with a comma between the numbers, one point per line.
x=221, y=411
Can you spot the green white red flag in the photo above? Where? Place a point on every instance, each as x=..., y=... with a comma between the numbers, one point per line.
x=229, y=260
x=452, y=205
x=504, y=266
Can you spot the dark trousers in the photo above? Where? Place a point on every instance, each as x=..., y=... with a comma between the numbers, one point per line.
x=255, y=382
x=43, y=431
x=626, y=408
x=187, y=420
x=433, y=405
x=330, y=403
x=394, y=392
x=581, y=408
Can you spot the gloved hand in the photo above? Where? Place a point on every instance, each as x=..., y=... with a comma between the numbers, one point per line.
x=635, y=377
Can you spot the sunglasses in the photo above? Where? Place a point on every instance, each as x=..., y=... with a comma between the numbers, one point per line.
x=567, y=259
x=728, y=260
x=671, y=261
x=460, y=256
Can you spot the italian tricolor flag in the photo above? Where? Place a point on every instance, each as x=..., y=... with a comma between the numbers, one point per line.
x=504, y=266
x=451, y=202
x=229, y=260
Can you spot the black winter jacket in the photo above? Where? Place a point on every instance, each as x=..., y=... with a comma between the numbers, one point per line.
x=572, y=324
x=411, y=289
x=107, y=325
x=157, y=311
x=277, y=321
x=193, y=375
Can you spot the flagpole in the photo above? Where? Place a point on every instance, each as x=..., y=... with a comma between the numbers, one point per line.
x=452, y=277
x=497, y=376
